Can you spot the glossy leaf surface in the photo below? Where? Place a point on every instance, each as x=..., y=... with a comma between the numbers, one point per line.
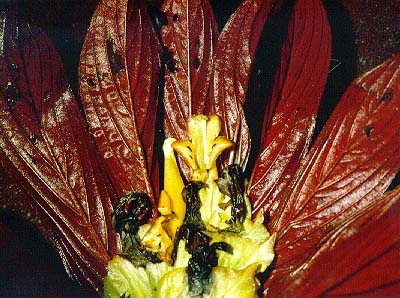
x=361, y=248
x=229, y=83
x=338, y=231
x=348, y=169
x=189, y=36
x=356, y=153
x=380, y=277
x=119, y=76
x=299, y=83
x=45, y=147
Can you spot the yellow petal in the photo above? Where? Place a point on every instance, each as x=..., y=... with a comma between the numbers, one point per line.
x=173, y=183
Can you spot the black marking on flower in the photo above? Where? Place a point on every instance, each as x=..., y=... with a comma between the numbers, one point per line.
x=133, y=210
x=200, y=266
x=191, y=197
x=232, y=184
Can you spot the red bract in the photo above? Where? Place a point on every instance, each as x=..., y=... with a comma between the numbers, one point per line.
x=337, y=227
x=189, y=47
x=119, y=74
x=45, y=145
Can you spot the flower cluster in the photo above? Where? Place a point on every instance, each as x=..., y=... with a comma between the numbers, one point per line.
x=90, y=169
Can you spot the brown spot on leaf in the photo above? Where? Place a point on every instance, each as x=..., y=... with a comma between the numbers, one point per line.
x=115, y=57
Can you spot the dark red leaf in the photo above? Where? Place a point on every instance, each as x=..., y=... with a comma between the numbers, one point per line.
x=119, y=75
x=189, y=38
x=233, y=58
x=45, y=147
x=358, y=248
x=298, y=87
x=380, y=274
x=351, y=164
x=12, y=196
x=355, y=157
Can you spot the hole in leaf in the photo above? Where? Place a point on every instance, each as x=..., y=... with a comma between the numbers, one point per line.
x=33, y=139
x=90, y=82
x=388, y=95
x=368, y=131
x=12, y=67
x=175, y=17
x=196, y=62
x=12, y=94
x=10, y=103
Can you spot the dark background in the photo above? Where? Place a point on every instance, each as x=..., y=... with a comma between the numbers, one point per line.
x=365, y=33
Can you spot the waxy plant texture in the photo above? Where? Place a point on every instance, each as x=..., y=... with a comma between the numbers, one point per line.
x=144, y=70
